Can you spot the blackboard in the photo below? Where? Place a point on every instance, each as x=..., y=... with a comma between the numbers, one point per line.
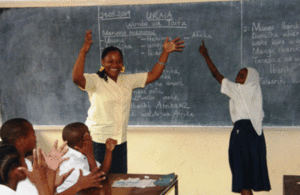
x=39, y=47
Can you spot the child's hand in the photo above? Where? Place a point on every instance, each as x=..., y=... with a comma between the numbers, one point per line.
x=38, y=175
x=87, y=147
x=91, y=180
x=55, y=157
x=203, y=50
x=174, y=45
x=110, y=144
x=88, y=41
x=59, y=179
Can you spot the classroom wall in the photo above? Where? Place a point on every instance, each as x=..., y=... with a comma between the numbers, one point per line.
x=199, y=155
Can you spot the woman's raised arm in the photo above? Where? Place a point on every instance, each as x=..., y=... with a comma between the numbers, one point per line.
x=168, y=47
x=78, y=69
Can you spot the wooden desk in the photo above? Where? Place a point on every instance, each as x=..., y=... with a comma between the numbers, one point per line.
x=109, y=190
x=290, y=185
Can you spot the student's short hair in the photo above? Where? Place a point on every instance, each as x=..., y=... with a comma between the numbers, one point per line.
x=9, y=160
x=73, y=133
x=14, y=129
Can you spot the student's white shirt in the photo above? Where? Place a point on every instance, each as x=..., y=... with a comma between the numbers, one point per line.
x=4, y=190
x=237, y=106
x=77, y=161
x=246, y=99
x=25, y=187
x=108, y=114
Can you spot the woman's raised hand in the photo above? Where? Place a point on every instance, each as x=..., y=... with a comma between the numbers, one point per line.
x=174, y=45
x=88, y=41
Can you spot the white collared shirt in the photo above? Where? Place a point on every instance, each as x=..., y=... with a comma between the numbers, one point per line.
x=25, y=187
x=108, y=114
x=77, y=161
x=4, y=190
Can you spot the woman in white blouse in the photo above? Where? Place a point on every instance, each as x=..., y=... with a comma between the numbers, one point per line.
x=247, y=147
x=110, y=96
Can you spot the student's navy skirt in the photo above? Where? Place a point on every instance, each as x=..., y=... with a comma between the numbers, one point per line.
x=119, y=156
x=247, y=158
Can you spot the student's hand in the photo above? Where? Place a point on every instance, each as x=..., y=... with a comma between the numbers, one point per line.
x=59, y=179
x=203, y=50
x=88, y=41
x=38, y=175
x=55, y=157
x=111, y=144
x=91, y=180
x=174, y=45
x=87, y=146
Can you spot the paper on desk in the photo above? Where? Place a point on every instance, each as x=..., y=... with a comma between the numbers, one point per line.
x=134, y=182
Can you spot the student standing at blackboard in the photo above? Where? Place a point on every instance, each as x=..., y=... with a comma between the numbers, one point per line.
x=110, y=96
x=247, y=147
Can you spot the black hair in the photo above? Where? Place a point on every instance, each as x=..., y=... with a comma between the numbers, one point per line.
x=13, y=129
x=102, y=74
x=73, y=133
x=9, y=160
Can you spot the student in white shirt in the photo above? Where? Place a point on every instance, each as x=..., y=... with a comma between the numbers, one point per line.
x=247, y=148
x=13, y=170
x=20, y=133
x=110, y=96
x=10, y=175
x=81, y=159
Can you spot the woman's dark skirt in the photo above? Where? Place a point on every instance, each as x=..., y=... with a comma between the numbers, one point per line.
x=119, y=156
x=248, y=158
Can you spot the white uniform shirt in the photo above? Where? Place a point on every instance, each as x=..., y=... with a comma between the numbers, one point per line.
x=4, y=190
x=110, y=101
x=25, y=187
x=77, y=161
x=237, y=107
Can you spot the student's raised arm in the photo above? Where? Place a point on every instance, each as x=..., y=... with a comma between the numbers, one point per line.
x=78, y=68
x=210, y=64
x=168, y=47
x=110, y=146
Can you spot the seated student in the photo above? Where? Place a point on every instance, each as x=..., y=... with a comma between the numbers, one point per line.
x=82, y=158
x=20, y=133
x=13, y=170
x=10, y=161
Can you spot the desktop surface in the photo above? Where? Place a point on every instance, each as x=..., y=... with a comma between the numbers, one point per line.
x=111, y=178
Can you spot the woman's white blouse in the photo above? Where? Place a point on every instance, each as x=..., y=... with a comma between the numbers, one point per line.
x=108, y=114
x=237, y=106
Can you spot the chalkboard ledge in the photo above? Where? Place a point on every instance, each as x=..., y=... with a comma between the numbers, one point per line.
x=174, y=128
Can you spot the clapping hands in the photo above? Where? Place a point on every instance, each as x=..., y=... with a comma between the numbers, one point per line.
x=38, y=175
